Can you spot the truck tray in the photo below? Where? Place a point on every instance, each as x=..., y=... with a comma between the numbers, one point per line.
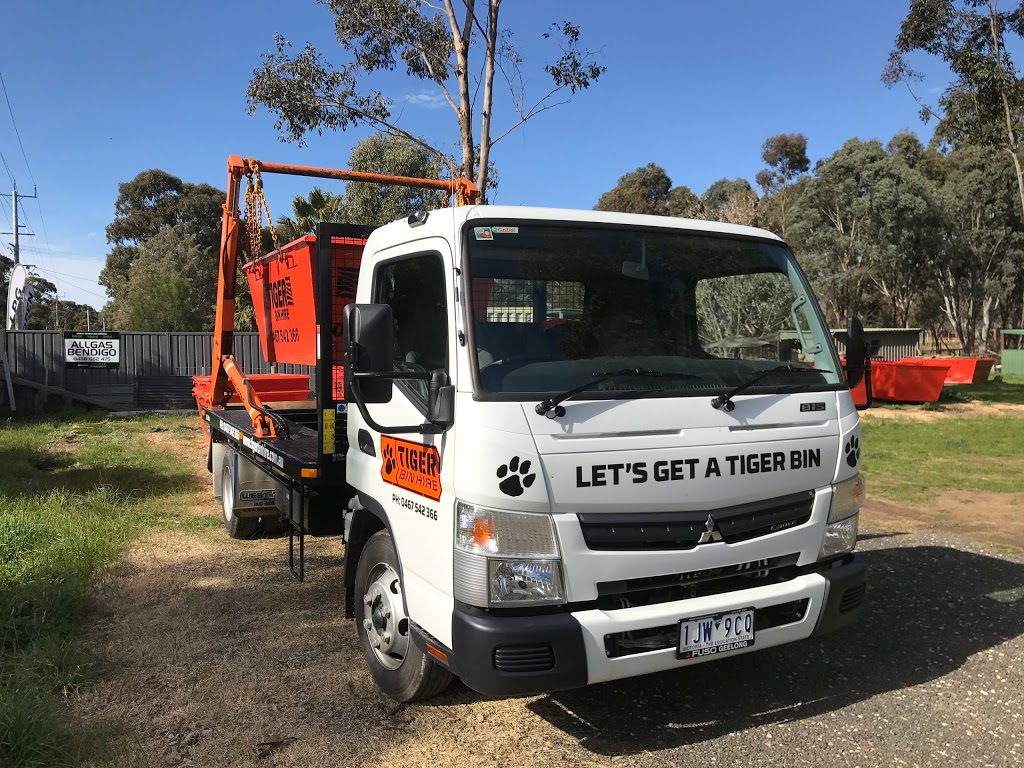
x=290, y=455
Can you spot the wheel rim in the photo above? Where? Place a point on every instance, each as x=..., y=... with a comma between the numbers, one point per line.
x=384, y=621
x=227, y=495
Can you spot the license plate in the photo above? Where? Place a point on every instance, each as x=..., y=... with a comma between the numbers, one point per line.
x=716, y=634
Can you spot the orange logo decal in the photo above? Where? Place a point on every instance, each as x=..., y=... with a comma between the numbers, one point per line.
x=412, y=466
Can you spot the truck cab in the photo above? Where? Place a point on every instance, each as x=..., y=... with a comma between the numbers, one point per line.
x=583, y=446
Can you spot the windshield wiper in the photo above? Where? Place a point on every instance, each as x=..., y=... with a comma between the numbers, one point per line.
x=551, y=406
x=725, y=401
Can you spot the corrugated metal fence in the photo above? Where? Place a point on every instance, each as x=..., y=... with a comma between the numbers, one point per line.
x=886, y=343
x=156, y=368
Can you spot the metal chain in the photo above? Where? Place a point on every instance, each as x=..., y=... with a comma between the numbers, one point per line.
x=255, y=207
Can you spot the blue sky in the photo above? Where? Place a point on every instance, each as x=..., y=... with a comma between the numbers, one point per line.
x=102, y=91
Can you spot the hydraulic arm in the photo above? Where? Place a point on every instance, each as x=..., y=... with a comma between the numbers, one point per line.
x=226, y=376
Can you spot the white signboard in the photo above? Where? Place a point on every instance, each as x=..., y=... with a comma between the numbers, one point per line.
x=92, y=350
x=20, y=295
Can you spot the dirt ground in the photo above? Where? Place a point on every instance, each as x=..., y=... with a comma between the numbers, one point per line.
x=949, y=411
x=990, y=518
x=216, y=657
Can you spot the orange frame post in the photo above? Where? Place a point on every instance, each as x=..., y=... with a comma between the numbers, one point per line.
x=226, y=376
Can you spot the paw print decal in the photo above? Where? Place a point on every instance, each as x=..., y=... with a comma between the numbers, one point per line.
x=852, y=450
x=389, y=459
x=520, y=477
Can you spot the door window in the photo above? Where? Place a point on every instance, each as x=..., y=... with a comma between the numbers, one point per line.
x=414, y=288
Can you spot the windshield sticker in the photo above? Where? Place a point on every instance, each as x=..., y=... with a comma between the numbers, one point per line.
x=412, y=466
x=488, y=233
x=600, y=475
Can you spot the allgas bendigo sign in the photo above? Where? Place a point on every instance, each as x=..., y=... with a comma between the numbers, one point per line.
x=92, y=350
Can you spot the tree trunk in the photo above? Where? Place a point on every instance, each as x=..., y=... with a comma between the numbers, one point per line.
x=485, y=112
x=1011, y=136
x=461, y=38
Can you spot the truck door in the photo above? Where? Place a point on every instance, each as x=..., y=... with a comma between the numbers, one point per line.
x=406, y=475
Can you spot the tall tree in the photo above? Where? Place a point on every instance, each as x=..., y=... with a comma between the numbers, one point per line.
x=172, y=285
x=981, y=269
x=786, y=157
x=149, y=204
x=396, y=156
x=458, y=50
x=734, y=202
x=684, y=202
x=984, y=104
x=904, y=232
x=870, y=229
x=828, y=228
x=645, y=190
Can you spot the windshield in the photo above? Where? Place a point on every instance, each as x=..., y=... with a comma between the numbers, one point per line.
x=553, y=307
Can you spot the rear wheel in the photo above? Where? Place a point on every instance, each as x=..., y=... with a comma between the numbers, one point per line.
x=245, y=527
x=397, y=665
x=237, y=527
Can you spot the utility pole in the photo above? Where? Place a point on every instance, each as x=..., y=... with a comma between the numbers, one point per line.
x=14, y=215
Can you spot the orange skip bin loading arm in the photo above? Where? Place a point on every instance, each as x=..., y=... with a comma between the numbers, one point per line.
x=227, y=379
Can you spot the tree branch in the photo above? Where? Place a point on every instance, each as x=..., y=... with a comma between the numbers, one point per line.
x=535, y=110
x=394, y=130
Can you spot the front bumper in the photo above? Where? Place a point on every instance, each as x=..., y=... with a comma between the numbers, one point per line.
x=519, y=655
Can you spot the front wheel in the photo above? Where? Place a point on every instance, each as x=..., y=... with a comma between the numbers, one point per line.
x=397, y=665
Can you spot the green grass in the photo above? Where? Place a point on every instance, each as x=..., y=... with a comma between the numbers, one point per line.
x=913, y=462
x=74, y=491
x=1010, y=390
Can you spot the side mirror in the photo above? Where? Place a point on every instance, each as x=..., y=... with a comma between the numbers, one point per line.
x=856, y=351
x=370, y=371
x=440, y=400
x=369, y=348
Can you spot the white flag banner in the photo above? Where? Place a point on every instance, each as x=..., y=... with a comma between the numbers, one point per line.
x=20, y=295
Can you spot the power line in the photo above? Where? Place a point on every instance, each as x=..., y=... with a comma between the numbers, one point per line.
x=78, y=280
x=7, y=168
x=16, y=132
x=24, y=156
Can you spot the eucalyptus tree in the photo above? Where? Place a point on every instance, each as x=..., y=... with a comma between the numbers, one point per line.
x=984, y=102
x=786, y=157
x=830, y=226
x=645, y=190
x=458, y=48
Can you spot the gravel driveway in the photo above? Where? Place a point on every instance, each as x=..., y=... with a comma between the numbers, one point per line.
x=217, y=658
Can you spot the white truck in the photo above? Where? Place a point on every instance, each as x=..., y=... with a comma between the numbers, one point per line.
x=563, y=447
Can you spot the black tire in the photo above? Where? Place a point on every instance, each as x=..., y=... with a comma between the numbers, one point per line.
x=398, y=666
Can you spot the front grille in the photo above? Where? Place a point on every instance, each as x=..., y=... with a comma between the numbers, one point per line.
x=852, y=598
x=650, y=590
x=667, y=636
x=524, y=658
x=684, y=530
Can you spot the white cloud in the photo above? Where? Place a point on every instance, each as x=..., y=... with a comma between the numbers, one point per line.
x=426, y=100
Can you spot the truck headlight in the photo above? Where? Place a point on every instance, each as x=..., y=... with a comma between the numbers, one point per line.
x=843, y=518
x=506, y=558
